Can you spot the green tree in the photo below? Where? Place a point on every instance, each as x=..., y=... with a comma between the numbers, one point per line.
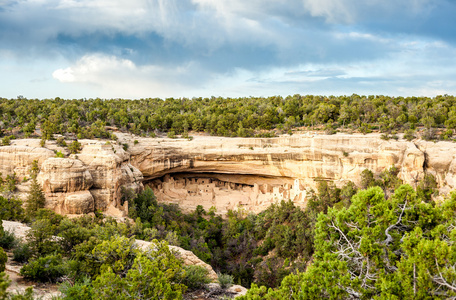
x=400, y=248
x=74, y=147
x=4, y=283
x=36, y=198
x=3, y=256
x=155, y=274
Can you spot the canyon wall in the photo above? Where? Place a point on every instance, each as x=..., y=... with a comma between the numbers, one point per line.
x=222, y=172
x=77, y=184
x=254, y=172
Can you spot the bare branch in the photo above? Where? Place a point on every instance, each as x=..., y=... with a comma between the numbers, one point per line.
x=441, y=280
x=389, y=238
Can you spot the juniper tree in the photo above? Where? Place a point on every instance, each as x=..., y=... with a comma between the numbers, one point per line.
x=36, y=198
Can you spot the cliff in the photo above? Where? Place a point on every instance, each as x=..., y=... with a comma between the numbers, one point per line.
x=78, y=184
x=254, y=172
x=216, y=171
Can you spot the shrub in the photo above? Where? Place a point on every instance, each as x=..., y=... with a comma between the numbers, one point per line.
x=135, y=142
x=74, y=147
x=22, y=253
x=385, y=136
x=6, y=141
x=225, y=280
x=45, y=269
x=41, y=239
x=3, y=259
x=59, y=154
x=196, y=277
x=4, y=282
x=61, y=142
x=79, y=290
x=154, y=275
x=11, y=209
x=409, y=134
x=8, y=240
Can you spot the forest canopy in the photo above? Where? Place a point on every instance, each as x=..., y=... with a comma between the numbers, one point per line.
x=250, y=116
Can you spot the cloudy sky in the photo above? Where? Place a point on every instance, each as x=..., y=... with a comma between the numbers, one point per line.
x=231, y=48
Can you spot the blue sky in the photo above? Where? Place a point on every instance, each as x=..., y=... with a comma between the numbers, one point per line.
x=230, y=48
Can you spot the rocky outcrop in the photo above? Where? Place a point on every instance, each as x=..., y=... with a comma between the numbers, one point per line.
x=254, y=172
x=79, y=184
x=111, y=171
x=216, y=171
x=65, y=175
x=188, y=258
x=18, y=159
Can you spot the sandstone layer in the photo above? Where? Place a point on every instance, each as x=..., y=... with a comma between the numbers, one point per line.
x=222, y=172
x=255, y=172
x=78, y=184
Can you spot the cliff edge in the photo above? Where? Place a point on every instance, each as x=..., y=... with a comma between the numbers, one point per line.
x=222, y=172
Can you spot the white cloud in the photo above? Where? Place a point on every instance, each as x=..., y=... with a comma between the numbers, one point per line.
x=227, y=47
x=115, y=77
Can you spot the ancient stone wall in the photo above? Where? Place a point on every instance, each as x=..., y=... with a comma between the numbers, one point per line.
x=188, y=189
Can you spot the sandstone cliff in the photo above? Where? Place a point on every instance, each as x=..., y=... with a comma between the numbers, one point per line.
x=216, y=171
x=254, y=172
x=79, y=184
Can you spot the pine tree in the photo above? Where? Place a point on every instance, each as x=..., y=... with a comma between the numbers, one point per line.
x=36, y=198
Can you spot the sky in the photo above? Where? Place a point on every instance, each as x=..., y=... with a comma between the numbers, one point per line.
x=231, y=48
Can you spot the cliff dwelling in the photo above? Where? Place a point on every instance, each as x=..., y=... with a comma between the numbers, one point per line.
x=225, y=191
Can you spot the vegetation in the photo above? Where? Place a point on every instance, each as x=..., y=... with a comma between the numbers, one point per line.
x=396, y=248
x=380, y=240
x=36, y=198
x=430, y=118
x=260, y=249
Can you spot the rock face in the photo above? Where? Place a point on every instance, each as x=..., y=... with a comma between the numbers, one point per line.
x=64, y=175
x=255, y=172
x=80, y=184
x=18, y=159
x=214, y=171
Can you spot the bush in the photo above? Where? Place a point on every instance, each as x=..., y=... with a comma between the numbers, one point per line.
x=61, y=142
x=22, y=253
x=45, y=269
x=41, y=239
x=80, y=290
x=8, y=240
x=409, y=134
x=6, y=141
x=225, y=280
x=4, y=283
x=154, y=275
x=196, y=277
x=11, y=209
x=74, y=147
x=3, y=259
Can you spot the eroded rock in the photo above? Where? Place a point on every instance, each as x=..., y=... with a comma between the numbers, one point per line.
x=66, y=175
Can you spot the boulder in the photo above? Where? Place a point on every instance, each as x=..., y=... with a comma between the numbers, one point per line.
x=66, y=175
x=78, y=203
